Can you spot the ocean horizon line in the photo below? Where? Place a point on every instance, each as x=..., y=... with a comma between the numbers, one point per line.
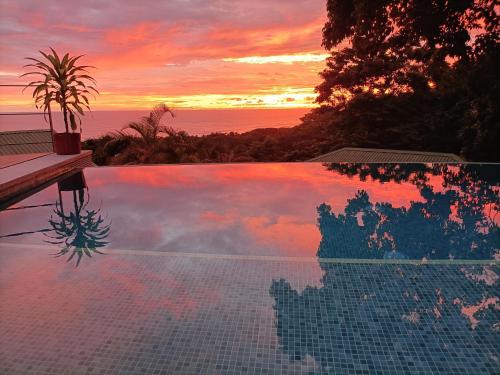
x=195, y=121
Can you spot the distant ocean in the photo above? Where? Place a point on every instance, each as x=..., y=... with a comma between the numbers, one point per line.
x=195, y=122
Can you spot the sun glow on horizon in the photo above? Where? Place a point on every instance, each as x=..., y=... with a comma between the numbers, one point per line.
x=241, y=57
x=279, y=59
x=279, y=97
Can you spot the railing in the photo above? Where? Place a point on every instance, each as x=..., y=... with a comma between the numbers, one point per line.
x=49, y=112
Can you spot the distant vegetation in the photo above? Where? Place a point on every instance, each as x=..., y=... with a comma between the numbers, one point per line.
x=286, y=144
x=415, y=75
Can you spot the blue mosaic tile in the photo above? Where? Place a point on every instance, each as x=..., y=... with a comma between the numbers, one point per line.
x=254, y=269
x=164, y=314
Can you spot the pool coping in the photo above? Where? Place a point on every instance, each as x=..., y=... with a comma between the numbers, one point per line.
x=270, y=258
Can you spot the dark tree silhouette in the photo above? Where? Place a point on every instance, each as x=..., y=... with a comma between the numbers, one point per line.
x=401, y=45
x=414, y=74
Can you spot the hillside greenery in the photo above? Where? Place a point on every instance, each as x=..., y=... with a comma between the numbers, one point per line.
x=402, y=74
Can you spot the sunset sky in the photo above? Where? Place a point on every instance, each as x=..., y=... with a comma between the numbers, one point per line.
x=187, y=53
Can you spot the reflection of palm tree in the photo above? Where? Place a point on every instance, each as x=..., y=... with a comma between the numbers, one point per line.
x=80, y=232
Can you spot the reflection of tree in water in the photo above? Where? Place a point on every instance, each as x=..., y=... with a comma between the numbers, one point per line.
x=80, y=232
x=382, y=317
x=457, y=222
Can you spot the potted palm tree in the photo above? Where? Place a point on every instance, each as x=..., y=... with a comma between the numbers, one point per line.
x=69, y=85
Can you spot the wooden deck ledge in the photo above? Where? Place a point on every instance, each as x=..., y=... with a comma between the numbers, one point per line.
x=18, y=178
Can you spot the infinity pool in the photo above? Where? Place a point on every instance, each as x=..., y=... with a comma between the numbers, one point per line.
x=254, y=268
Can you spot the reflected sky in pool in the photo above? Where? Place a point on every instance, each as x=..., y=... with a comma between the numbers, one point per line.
x=254, y=268
x=333, y=211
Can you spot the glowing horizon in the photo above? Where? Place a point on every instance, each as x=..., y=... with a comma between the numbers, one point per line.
x=220, y=54
x=279, y=59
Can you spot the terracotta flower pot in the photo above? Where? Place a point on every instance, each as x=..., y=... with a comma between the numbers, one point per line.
x=67, y=143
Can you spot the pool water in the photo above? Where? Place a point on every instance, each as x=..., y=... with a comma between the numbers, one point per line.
x=303, y=268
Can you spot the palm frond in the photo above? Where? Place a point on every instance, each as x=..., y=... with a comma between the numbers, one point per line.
x=149, y=127
x=59, y=82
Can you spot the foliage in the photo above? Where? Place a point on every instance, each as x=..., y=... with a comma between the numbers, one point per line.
x=284, y=144
x=400, y=45
x=149, y=127
x=420, y=71
x=64, y=82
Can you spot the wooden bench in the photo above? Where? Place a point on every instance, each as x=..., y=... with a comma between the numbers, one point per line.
x=25, y=142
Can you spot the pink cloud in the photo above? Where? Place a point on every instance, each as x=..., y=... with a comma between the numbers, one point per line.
x=135, y=43
x=295, y=237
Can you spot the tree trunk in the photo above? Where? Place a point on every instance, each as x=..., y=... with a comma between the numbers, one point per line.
x=65, y=111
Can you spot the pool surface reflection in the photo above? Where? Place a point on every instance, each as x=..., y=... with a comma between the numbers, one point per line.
x=301, y=268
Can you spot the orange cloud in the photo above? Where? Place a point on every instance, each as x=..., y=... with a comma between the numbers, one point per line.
x=287, y=232
x=192, y=57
